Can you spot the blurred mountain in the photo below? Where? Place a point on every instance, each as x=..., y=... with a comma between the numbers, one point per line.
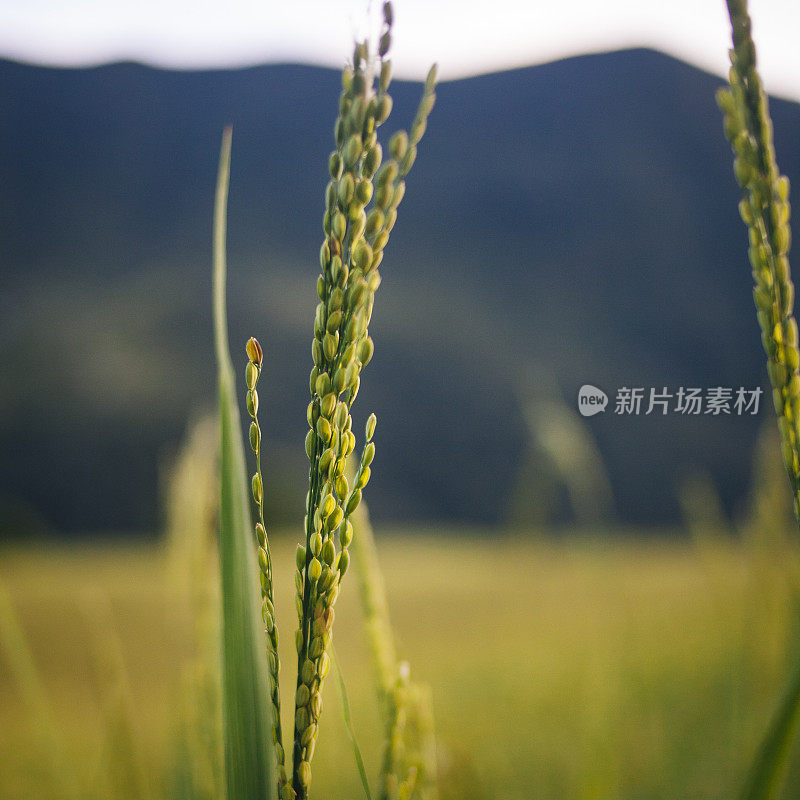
x=569, y=223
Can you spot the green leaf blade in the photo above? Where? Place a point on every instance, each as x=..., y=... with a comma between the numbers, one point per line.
x=247, y=716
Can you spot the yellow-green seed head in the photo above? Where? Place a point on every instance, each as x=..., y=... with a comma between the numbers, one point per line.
x=324, y=430
x=384, y=109
x=335, y=301
x=328, y=404
x=363, y=478
x=364, y=191
x=304, y=771
x=362, y=257
x=308, y=671
x=309, y=734
x=358, y=222
x=261, y=534
x=301, y=718
x=255, y=436
x=325, y=460
x=251, y=375
x=365, y=350
x=254, y=351
x=315, y=648
x=302, y=696
x=257, y=489
x=352, y=503
x=782, y=188
x=339, y=225
x=399, y=193
x=408, y=160
x=346, y=534
x=369, y=430
x=252, y=402
x=328, y=552
x=323, y=384
x=346, y=190
x=398, y=145
x=374, y=222
x=339, y=380
x=338, y=271
x=324, y=665
x=330, y=343
x=316, y=543
x=300, y=557
x=328, y=504
x=310, y=443
x=383, y=197
x=335, y=165
x=372, y=160
x=334, y=321
x=343, y=561
x=314, y=570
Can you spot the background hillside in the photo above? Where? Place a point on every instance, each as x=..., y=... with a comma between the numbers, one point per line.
x=565, y=224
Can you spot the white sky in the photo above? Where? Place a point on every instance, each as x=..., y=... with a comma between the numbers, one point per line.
x=464, y=36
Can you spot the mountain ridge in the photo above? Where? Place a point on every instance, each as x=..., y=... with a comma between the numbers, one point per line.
x=575, y=219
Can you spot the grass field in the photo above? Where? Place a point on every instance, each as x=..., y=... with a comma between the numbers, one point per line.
x=589, y=669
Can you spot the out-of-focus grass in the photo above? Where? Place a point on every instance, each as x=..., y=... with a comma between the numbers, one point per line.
x=582, y=670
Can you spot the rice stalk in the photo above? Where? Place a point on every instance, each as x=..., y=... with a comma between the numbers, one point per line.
x=765, y=210
x=356, y=234
x=255, y=357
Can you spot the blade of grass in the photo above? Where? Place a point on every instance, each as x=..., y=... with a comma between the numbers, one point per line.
x=348, y=723
x=247, y=717
x=769, y=767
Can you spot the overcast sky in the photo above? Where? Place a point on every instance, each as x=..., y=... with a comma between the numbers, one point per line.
x=465, y=37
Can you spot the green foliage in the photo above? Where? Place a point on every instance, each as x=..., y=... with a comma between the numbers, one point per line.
x=247, y=716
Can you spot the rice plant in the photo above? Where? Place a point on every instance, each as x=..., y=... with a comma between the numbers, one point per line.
x=765, y=210
x=361, y=202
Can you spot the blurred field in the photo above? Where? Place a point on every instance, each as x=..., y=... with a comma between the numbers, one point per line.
x=580, y=670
